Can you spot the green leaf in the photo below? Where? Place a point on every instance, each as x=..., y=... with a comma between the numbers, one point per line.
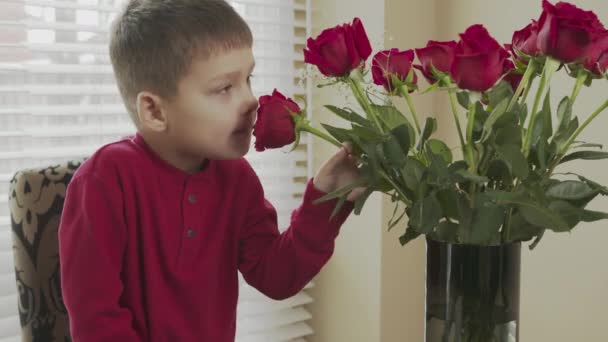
x=540, y=216
x=409, y=235
x=510, y=118
x=570, y=190
x=472, y=177
x=592, y=216
x=481, y=116
x=338, y=207
x=402, y=135
x=570, y=214
x=539, y=152
x=345, y=190
x=523, y=113
x=430, y=127
x=446, y=231
x=487, y=220
x=430, y=89
x=393, y=222
x=457, y=166
x=564, y=113
x=498, y=171
x=463, y=99
x=499, y=93
x=465, y=213
x=425, y=214
x=508, y=135
x=360, y=202
x=537, y=240
x=395, y=157
x=366, y=134
x=439, y=148
x=488, y=126
x=350, y=116
x=448, y=198
x=564, y=135
x=370, y=163
x=340, y=134
x=533, y=212
x=515, y=160
x=413, y=174
x=439, y=174
x=391, y=116
x=587, y=145
x=522, y=230
x=584, y=155
x=542, y=130
x=595, y=186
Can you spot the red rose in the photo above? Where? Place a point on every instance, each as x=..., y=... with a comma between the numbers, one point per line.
x=438, y=54
x=393, y=62
x=526, y=39
x=275, y=127
x=339, y=50
x=478, y=60
x=565, y=31
x=595, y=58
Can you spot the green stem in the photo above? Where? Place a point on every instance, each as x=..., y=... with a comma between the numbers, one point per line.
x=581, y=78
x=471, y=124
x=318, y=133
x=582, y=127
x=470, y=147
x=404, y=91
x=562, y=151
x=458, y=127
x=530, y=70
x=397, y=188
x=359, y=93
x=526, y=91
x=551, y=66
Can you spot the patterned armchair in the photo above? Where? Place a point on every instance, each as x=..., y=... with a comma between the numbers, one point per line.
x=36, y=199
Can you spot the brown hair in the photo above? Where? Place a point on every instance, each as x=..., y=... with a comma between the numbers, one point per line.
x=153, y=43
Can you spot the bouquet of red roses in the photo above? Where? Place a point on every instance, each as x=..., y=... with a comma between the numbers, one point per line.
x=504, y=188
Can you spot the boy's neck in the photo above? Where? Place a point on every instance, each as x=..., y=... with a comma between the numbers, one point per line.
x=167, y=152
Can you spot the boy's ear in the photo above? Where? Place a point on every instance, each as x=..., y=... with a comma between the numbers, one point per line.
x=150, y=111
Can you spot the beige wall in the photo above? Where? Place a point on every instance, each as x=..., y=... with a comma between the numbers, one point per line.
x=347, y=302
x=373, y=289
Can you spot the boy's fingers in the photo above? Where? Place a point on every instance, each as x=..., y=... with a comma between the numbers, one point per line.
x=355, y=194
x=348, y=146
x=338, y=157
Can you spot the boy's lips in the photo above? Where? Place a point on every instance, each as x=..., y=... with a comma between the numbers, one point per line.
x=244, y=129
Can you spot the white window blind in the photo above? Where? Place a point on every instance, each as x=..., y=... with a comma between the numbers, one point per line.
x=59, y=101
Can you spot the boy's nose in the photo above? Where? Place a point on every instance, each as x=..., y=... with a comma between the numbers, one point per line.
x=252, y=101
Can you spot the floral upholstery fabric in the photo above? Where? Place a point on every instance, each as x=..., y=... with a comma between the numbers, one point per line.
x=36, y=200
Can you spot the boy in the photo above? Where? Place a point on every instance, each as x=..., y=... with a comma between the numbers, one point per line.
x=155, y=227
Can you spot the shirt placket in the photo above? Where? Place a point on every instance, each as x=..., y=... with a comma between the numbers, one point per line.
x=191, y=229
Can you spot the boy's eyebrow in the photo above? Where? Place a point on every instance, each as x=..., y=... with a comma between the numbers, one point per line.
x=233, y=73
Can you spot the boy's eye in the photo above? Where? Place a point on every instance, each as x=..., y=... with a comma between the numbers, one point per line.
x=225, y=89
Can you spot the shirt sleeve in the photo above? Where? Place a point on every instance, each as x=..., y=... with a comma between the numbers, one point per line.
x=92, y=242
x=280, y=265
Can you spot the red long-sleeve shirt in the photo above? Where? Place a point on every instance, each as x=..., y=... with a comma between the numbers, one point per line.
x=151, y=253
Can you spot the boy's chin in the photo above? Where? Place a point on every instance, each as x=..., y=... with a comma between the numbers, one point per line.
x=235, y=151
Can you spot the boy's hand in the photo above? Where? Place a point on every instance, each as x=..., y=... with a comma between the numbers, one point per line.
x=338, y=171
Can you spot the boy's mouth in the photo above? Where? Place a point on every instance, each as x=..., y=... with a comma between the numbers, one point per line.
x=243, y=129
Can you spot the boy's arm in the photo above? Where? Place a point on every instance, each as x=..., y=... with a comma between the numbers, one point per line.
x=280, y=265
x=92, y=240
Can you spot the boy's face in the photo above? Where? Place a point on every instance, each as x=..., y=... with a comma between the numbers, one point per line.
x=214, y=111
